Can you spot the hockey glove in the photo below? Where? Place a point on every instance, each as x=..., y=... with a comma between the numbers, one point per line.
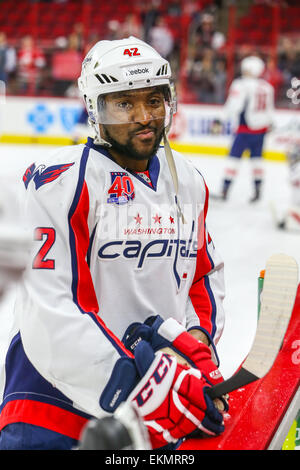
x=170, y=397
x=171, y=334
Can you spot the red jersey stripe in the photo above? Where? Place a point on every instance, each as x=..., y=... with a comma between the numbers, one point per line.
x=245, y=129
x=86, y=296
x=44, y=415
x=202, y=304
x=199, y=294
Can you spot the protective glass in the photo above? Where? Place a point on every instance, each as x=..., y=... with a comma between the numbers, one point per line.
x=136, y=106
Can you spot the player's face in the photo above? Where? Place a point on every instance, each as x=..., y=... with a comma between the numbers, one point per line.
x=134, y=122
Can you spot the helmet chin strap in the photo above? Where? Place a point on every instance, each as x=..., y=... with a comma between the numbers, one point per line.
x=173, y=171
x=172, y=166
x=98, y=140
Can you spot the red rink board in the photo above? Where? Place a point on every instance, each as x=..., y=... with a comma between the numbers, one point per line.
x=257, y=409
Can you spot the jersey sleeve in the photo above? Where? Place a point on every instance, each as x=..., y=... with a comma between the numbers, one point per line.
x=205, y=309
x=235, y=101
x=61, y=329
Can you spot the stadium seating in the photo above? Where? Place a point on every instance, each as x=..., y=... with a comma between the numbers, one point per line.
x=255, y=28
x=48, y=20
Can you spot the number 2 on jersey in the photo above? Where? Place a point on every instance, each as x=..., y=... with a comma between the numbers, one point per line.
x=40, y=261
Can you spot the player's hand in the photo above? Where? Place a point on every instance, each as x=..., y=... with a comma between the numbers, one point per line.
x=170, y=337
x=170, y=397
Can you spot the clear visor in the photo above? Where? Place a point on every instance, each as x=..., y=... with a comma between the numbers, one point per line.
x=136, y=106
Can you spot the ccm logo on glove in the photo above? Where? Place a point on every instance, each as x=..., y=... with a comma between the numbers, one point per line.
x=156, y=378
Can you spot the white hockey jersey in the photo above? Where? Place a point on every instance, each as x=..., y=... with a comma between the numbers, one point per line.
x=294, y=178
x=250, y=104
x=292, y=212
x=109, y=249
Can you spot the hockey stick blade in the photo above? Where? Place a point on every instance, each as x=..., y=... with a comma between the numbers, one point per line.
x=277, y=301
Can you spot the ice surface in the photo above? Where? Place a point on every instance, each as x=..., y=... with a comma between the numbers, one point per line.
x=243, y=233
x=245, y=236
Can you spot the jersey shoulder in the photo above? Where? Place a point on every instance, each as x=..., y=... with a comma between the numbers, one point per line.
x=263, y=83
x=52, y=165
x=187, y=170
x=237, y=83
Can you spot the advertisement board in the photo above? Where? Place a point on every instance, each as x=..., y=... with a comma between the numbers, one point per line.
x=196, y=128
x=204, y=129
x=46, y=120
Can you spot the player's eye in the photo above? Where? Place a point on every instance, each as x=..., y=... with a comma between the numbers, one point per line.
x=123, y=105
x=155, y=101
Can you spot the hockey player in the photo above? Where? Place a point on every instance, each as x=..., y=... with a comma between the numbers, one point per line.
x=250, y=105
x=14, y=241
x=123, y=274
x=291, y=218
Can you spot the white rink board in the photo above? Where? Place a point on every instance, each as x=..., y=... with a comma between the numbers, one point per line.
x=242, y=233
x=54, y=118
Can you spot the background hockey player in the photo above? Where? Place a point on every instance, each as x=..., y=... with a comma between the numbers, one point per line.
x=122, y=270
x=291, y=218
x=14, y=241
x=250, y=105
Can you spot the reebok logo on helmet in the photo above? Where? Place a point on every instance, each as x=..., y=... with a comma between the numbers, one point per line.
x=137, y=70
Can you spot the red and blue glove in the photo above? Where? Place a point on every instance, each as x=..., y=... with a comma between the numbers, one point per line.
x=170, y=397
x=170, y=334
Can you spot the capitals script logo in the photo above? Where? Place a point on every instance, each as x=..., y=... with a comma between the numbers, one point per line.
x=42, y=175
x=121, y=190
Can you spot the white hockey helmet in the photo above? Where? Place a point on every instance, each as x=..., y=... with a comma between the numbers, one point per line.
x=252, y=65
x=122, y=65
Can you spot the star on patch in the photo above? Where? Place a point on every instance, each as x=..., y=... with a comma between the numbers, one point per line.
x=138, y=219
x=156, y=219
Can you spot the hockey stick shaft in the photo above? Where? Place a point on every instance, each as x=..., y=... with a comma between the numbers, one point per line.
x=241, y=378
x=278, y=297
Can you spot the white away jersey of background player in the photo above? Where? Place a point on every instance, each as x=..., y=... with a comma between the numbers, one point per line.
x=292, y=212
x=109, y=249
x=254, y=97
x=294, y=178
